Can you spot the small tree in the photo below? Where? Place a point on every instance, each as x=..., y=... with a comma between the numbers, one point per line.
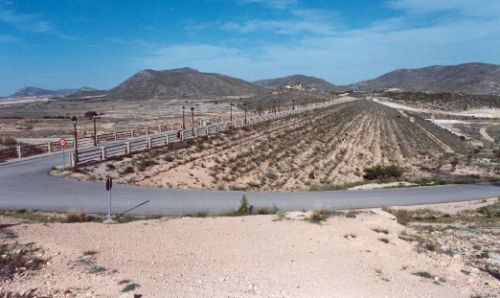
x=454, y=162
x=91, y=114
x=244, y=208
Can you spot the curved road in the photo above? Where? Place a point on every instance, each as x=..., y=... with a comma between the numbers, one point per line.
x=27, y=185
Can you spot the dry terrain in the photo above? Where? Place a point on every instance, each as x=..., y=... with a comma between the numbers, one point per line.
x=316, y=150
x=298, y=254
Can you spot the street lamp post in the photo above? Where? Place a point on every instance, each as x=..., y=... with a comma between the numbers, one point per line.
x=245, y=105
x=95, y=130
x=183, y=118
x=498, y=158
x=74, y=119
x=192, y=117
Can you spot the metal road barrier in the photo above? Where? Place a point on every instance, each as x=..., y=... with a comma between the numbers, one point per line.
x=148, y=141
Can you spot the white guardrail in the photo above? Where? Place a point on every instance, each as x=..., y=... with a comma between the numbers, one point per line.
x=143, y=143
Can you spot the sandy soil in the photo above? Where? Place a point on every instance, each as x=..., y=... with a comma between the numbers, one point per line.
x=253, y=256
x=451, y=208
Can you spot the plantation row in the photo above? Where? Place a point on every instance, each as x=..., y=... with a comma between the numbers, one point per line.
x=316, y=150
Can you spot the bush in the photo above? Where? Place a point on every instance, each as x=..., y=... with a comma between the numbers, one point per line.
x=383, y=172
x=74, y=216
x=244, y=208
x=320, y=215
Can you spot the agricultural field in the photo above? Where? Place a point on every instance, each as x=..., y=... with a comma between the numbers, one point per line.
x=318, y=150
x=445, y=101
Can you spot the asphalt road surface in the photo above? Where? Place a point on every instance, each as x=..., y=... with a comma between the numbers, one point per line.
x=27, y=185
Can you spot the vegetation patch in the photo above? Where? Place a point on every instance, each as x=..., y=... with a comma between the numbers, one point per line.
x=383, y=173
x=17, y=258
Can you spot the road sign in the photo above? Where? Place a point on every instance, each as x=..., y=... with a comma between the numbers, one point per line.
x=109, y=183
x=63, y=142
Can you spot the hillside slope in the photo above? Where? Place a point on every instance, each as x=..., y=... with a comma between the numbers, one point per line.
x=470, y=78
x=308, y=81
x=181, y=83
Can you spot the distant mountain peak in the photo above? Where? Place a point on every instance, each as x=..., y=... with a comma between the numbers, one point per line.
x=31, y=91
x=181, y=83
x=306, y=81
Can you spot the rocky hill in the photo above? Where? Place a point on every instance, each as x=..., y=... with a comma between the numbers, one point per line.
x=469, y=78
x=181, y=83
x=307, y=81
x=39, y=92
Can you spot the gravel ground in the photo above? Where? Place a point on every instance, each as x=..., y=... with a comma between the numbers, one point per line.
x=252, y=256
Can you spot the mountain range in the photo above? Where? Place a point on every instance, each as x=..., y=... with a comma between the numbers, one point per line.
x=307, y=81
x=469, y=78
x=39, y=92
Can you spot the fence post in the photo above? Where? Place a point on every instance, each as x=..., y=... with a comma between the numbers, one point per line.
x=49, y=147
x=167, y=140
x=159, y=128
x=131, y=133
x=115, y=134
x=147, y=130
x=127, y=148
x=206, y=131
x=19, y=152
x=72, y=159
x=148, y=143
x=182, y=135
x=103, y=153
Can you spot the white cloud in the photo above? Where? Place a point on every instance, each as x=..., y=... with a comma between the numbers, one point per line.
x=280, y=4
x=28, y=23
x=24, y=22
x=464, y=7
x=8, y=38
x=286, y=27
x=349, y=55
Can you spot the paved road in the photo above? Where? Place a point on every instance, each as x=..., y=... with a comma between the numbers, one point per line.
x=27, y=185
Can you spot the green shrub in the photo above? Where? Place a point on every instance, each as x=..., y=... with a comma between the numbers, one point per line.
x=383, y=172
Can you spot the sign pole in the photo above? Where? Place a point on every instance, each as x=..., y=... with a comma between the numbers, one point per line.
x=109, y=186
x=63, y=159
x=109, y=205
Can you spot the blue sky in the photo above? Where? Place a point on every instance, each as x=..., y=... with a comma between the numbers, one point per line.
x=99, y=43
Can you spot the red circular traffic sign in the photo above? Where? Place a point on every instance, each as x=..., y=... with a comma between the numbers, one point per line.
x=63, y=142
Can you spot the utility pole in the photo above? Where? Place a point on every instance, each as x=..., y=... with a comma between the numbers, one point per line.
x=183, y=118
x=245, y=105
x=74, y=119
x=231, y=115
